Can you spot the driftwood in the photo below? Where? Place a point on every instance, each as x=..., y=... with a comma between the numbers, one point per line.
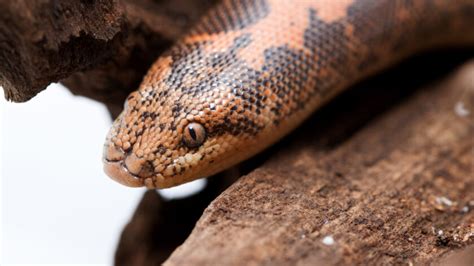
x=99, y=49
x=383, y=174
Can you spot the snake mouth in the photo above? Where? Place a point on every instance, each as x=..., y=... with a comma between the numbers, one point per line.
x=119, y=172
x=115, y=167
x=130, y=170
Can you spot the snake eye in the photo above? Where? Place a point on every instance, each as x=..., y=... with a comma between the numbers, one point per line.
x=194, y=135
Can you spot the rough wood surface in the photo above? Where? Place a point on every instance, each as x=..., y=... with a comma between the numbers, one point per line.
x=157, y=228
x=44, y=41
x=112, y=42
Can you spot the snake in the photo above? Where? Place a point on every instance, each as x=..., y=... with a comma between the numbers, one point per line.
x=250, y=71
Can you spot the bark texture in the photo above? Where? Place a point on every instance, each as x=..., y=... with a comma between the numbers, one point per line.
x=159, y=226
x=100, y=49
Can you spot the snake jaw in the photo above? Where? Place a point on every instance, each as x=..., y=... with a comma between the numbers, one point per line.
x=118, y=172
x=116, y=168
x=133, y=171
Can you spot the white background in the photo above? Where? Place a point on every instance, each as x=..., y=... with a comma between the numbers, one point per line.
x=57, y=206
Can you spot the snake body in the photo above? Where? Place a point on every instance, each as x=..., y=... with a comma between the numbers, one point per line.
x=253, y=70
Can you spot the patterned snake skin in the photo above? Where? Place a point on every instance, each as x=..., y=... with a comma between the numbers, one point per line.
x=253, y=70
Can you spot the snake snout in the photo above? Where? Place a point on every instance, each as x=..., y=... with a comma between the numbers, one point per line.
x=138, y=166
x=127, y=170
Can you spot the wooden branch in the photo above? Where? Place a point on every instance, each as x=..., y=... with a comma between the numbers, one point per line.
x=44, y=41
x=106, y=45
x=159, y=226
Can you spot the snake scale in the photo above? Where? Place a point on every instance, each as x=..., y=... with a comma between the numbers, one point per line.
x=253, y=70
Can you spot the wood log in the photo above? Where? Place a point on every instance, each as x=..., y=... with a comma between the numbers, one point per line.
x=159, y=226
x=101, y=48
x=44, y=41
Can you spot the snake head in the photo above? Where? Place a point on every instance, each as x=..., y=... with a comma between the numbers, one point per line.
x=176, y=129
x=201, y=109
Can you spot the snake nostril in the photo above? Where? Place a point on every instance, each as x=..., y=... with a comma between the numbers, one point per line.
x=112, y=153
x=138, y=166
